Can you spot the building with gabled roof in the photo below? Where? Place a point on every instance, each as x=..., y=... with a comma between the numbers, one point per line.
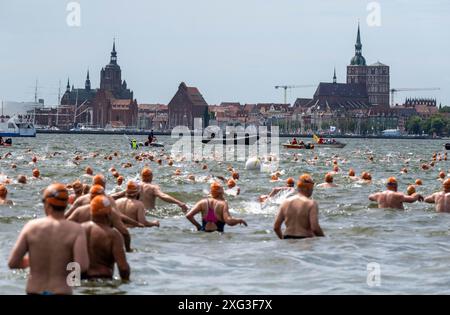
x=186, y=105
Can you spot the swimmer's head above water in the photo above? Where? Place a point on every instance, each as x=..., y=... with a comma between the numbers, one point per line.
x=305, y=185
x=147, y=175
x=392, y=184
x=55, y=198
x=216, y=190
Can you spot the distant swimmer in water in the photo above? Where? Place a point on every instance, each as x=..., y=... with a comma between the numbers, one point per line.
x=328, y=182
x=131, y=206
x=105, y=244
x=391, y=198
x=77, y=187
x=214, y=211
x=4, y=196
x=290, y=183
x=52, y=243
x=442, y=198
x=22, y=179
x=149, y=192
x=299, y=213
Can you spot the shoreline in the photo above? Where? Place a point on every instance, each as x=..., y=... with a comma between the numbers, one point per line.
x=159, y=133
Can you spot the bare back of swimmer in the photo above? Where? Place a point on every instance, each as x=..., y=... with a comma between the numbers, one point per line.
x=299, y=213
x=393, y=199
x=442, y=198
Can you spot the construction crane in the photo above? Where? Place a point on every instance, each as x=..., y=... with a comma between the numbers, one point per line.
x=286, y=87
x=393, y=91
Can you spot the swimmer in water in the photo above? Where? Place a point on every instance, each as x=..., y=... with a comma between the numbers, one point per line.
x=77, y=187
x=442, y=198
x=52, y=243
x=299, y=213
x=290, y=183
x=328, y=182
x=391, y=198
x=4, y=196
x=131, y=206
x=214, y=211
x=149, y=192
x=105, y=244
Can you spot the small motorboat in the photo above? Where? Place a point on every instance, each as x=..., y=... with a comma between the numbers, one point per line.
x=447, y=146
x=307, y=146
x=156, y=144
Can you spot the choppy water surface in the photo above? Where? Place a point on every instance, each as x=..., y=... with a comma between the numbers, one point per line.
x=412, y=246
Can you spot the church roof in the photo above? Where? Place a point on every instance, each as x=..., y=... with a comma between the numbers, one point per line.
x=196, y=97
x=341, y=89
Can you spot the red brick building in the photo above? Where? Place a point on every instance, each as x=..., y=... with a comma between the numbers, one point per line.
x=187, y=104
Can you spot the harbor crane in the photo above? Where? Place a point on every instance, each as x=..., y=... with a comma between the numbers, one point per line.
x=393, y=91
x=286, y=87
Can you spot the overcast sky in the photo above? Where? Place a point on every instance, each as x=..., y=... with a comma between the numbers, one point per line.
x=233, y=50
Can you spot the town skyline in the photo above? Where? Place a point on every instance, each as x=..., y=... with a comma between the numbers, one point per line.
x=214, y=75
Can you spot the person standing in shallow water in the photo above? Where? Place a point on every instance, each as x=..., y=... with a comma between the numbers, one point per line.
x=442, y=198
x=52, y=243
x=105, y=243
x=391, y=198
x=299, y=213
x=215, y=213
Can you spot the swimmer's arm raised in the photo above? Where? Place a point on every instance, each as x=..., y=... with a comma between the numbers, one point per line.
x=16, y=260
x=430, y=199
x=229, y=219
x=314, y=220
x=120, y=257
x=412, y=198
x=165, y=197
x=80, y=251
x=374, y=197
x=191, y=214
x=279, y=222
x=118, y=195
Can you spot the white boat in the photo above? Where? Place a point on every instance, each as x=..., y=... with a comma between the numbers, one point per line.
x=15, y=127
x=391, y=133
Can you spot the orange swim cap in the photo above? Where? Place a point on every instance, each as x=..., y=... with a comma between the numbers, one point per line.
x=97, y=190
x=99, y=179
x=56, y=195
x=100, y=205
x=305, y=181
x=446, y=183
x=336, y=169
x=146, y=172
x=274, y=177
x=442, y=175
x=231, y=183
x=36, y=173
x=418, y=182
x=290, y=182
x=89, y=170
x=411, y=190
x=216, y=190
x=235, y=175
x=351, y=172
x=392, y=182
x=120, y=180
x=132, y=188
x=366, y=176
x=3, y=191
x=328, y=178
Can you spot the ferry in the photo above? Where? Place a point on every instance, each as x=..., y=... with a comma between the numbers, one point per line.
x=16, y=127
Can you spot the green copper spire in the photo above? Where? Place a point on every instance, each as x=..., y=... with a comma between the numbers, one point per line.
x=358, y=59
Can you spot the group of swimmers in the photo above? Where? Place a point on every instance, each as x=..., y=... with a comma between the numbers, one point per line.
x=94, y=232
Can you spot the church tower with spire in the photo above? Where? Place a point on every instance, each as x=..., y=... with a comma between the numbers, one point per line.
x=111, y=74
x=375, y=76
x=357, y=70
